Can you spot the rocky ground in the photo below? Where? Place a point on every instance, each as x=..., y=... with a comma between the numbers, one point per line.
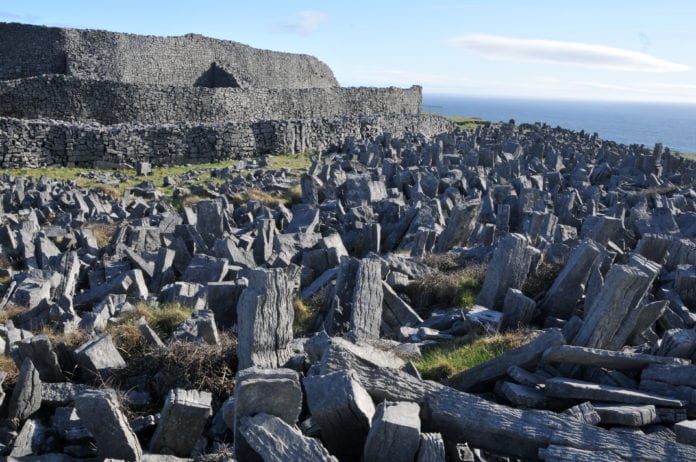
x=502, y=293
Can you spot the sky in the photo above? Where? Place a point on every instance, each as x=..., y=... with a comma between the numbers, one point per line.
x=641, y=50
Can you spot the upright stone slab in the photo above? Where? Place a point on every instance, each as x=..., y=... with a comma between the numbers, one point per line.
x=432, y=448
x=508, y=268
x=39, y=349
x=623, y=289
x=209, y=220
x=343, y=410
x=356, y=307
x=460, y=225
x=26, y=396
x=518, y=310
x=273, y=440
x=568, y=287
x=395, y=433
x=275, y=392
x=184, y=416
x=264, y=318
x=100, y=413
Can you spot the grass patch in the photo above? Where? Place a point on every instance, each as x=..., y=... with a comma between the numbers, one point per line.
x=452, y=286
x=686, y=155
x=300, y=161
x=163, y=318
x=11, y=312
x=263, y=197
x=8, y=366
x=73, y=339
x=467, y=123
x=304, y=317
x=447, y=359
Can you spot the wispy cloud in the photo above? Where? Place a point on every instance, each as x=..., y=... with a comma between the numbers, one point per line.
x=571, y=53
x=305, y=22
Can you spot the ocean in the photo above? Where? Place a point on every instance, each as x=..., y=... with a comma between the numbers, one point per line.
x=673, y=125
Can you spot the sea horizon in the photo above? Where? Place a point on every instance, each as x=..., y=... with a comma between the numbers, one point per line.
x=628, y=122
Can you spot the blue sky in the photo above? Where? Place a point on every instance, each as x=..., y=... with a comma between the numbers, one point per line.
x=594, y=50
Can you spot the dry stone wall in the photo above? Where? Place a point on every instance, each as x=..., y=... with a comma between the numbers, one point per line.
x=71, y=99
x=189, y=60
x=37, y=143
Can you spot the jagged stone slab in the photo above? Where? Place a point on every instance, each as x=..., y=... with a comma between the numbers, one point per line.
x=274, y=392
x=150, y=336
x=686, y=432
x=395, y=311
x=460, y=225
x=509, y=267
x=395, y=432
x=672, y=374
x=184, y=416
x=40, y=350
x=577, y=389
x=518, y=310
x=100, y=413
x=222, y=298
x=431, y=449
x=626, y=415
x=264, y=317
x=275, y=441
x=343, y=410
x=26, y=396
x=495, y=369
x=584, y=412
x=99, y=356
x=568, y=287
x=606, y=358
x=623, y=289
x=357, y=304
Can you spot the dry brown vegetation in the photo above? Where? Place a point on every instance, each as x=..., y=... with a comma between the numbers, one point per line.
x=259, y=196
x=188, y=365
x=540, y=281
x=12, y=312
x=102, y=232
x=449, y=284
x=8, y=366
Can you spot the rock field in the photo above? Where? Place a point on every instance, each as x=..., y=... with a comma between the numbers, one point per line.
x=305, y=313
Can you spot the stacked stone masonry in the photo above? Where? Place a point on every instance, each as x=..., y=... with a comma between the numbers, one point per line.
x=38, y=143
x=72, y=99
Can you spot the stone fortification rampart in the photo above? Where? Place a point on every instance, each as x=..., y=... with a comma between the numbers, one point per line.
x=36, y=143
x=189, y=60
x=71, y=99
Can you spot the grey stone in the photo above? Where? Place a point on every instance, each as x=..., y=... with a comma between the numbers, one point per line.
x=276, y=441
x=204, y=268
x=627, y=415
x=222, y=299
x=606, y=358
x=577, y=389
x=343, y=410
x=26, y=397
x=395, y=311
x=150, y=336
x=686, y=432
x=275, y=392
x=518, y=310
x=130, y=283
x=39, y=349
x=264, y=318
x=509, y=267
x=395, y=432
x=30, y=440
x=100, y=413
x=459, y=227
x=567, y=288
x=184, y=416
x=357, y=304
x=431, y=449
x=99, y=356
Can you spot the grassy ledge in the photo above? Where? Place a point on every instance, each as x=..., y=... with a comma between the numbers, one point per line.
x=447, y=359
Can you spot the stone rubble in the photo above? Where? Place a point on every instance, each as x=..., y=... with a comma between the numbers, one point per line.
x=587, y=250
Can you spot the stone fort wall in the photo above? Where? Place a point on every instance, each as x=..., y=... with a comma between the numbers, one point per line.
x=71, y=99
x=41, y=142
x=189, y=60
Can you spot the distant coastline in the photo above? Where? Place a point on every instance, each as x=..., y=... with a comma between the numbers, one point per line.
x=673, y=125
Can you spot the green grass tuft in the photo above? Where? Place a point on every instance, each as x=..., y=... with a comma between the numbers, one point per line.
x=447, y=359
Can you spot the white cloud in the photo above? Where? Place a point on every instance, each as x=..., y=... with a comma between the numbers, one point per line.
x=572, y=53
x=305, y=22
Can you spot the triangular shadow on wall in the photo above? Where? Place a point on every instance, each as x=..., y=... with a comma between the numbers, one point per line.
x=216, y=77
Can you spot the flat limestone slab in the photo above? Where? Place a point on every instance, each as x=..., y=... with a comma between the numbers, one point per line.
x=606, y=358
x=626, y=414
x=577, y=389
